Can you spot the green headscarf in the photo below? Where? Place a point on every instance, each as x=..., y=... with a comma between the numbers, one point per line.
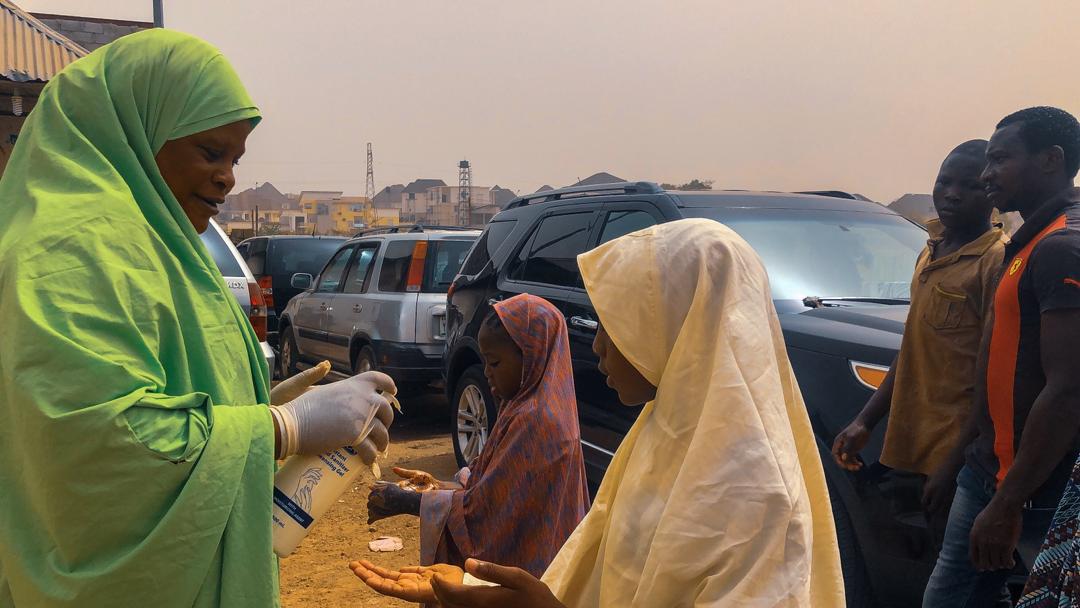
x=136, y=451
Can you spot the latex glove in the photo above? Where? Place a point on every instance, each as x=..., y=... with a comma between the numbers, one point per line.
x=297, y=385
x=350, y=412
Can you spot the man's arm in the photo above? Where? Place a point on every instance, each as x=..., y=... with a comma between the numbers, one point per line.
x=1052, y=425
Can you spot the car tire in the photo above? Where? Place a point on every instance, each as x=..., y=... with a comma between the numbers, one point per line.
x=289, y=355
x=365, y=360
x=472, y=414
x=856, y=582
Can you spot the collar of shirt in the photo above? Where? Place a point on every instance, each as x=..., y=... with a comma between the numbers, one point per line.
x=975, y=248
x=1042, y=218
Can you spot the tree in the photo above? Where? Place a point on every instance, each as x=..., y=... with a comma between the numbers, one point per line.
x=694, y=184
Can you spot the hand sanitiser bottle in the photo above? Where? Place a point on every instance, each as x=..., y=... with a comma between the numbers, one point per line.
x=306, y=486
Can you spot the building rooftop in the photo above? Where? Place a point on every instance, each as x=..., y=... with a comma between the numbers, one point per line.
x=30, y=51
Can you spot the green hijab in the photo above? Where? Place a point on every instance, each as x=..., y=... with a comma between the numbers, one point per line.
x=136, y=451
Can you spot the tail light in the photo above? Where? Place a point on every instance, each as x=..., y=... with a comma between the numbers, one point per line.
x=416, y=268
x=257, y=314
x=266, y=282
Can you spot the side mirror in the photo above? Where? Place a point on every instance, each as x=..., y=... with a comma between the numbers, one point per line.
x=302, y=280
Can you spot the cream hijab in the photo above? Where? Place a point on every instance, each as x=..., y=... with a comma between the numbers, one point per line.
x=716, y=496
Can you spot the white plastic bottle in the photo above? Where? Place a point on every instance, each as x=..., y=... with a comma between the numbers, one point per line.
x=306, y=486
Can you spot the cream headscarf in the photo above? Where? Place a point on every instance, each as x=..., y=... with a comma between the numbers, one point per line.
x=716, y=496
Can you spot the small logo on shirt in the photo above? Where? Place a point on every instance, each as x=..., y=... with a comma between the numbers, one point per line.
x=1073, y=282
x=1016, y=264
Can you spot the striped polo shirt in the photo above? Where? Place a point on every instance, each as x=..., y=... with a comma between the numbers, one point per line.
x=1041, y=273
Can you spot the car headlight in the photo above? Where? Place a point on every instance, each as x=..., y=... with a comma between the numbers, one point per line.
x=868, y=374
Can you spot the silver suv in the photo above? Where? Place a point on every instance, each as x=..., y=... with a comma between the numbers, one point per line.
x=240, y=282
x=379, y=303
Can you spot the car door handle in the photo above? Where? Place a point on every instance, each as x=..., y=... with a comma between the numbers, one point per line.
x=584, y=323
x=357, y=307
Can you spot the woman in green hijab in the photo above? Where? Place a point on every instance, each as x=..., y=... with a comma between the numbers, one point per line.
x=136, y=449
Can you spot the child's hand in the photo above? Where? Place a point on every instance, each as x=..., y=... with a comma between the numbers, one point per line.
x=388, y=500
x=412, y=584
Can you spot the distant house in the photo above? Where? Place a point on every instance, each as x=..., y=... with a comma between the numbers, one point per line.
x=264, y=196
x=918, y=208
x=414, y=200
x=31, y=53
x=501, y=196
x=598, y=178
x=389, y=197
x=544, y=188
x=91, y=32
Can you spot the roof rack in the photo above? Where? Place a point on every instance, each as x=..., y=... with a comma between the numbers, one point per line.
x=408, y=228
x=831, y=194
x=576, y=191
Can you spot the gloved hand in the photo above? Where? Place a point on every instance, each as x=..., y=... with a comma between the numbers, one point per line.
x=341, y=414
x=297, y=385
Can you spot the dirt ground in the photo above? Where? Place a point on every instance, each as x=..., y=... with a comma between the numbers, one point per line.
x=318, y=574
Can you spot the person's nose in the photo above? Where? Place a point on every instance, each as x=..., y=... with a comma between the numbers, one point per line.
x=225, y=179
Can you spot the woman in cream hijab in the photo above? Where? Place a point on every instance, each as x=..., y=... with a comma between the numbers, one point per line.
x=716, y=496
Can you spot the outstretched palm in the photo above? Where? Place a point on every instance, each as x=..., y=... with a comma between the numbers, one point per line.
x=412, y=583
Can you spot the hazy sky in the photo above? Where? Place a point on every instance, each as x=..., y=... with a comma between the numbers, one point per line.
x=778, y=95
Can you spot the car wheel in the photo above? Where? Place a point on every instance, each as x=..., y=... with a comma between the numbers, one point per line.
x=473, y=414
x=365, y=360
x=288, y=358
x=856, y=583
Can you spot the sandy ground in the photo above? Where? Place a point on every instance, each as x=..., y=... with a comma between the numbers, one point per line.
x=317, y=574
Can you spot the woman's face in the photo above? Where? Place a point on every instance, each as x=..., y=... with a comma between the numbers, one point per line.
x=632, y=387
x=502, y=362
x=199, y=169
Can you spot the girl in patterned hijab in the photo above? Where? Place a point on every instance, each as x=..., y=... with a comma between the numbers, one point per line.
x=520, y=499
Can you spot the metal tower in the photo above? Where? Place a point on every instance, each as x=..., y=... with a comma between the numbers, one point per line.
x=369, y=191
x=464, y=206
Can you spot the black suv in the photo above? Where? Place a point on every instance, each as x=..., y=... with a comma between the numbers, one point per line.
x=275, y=259
x=840, y=270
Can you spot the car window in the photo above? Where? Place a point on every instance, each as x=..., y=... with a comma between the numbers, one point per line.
x=550, y=255
x=827, y=253
x=444, y=259
x=490, y=241
x=242, y=249
x=290, y=256
x=360, y=269
x=620, y=223
x=395, y=266
x=255, y=256
x=222, y=252
x=331, y=275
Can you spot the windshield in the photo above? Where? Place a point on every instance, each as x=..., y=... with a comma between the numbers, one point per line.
x=290, y=256
x=829, y=254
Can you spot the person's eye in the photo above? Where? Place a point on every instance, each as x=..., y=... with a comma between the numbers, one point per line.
x=236, y=162
x=211, y=154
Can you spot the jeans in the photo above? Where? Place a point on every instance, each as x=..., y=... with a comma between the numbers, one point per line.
x=955, y=582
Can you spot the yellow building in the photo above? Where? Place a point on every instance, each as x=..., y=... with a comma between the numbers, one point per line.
x=350, y=213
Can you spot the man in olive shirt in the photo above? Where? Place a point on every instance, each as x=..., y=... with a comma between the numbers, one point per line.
x=1027, y=403
x=927, y=393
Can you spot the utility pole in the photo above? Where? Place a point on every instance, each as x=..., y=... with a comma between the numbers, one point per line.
x=464, y=207
x=370, y=189
x=159, y=17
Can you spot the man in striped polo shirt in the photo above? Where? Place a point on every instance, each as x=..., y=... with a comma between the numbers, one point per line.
x=1026, y=417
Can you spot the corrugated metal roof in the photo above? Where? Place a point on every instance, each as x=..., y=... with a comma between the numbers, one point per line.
x=29, y=50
